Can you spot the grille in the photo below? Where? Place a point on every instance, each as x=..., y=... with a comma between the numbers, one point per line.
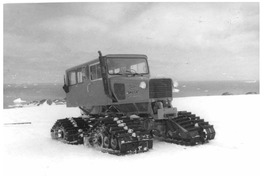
x=119, y=90
x=160, y=88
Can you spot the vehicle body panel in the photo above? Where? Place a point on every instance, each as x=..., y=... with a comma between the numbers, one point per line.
x=91, y=92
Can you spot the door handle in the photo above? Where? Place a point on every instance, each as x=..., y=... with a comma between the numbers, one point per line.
x=88, y=87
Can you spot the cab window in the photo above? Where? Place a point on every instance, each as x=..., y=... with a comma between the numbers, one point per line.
x=81, y=76
x=98, y=70
x=72, y=78
x=95, y=71
x=86, y=71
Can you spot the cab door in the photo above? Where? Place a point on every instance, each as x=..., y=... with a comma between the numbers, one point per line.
x=78, y=81
x=95, y=89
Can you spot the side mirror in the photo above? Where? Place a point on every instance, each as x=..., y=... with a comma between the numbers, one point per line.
x=66, y=88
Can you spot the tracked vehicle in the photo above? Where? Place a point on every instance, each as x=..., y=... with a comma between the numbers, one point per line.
x=123, y=109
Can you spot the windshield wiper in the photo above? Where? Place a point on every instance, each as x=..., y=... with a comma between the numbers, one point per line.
x=128, y=72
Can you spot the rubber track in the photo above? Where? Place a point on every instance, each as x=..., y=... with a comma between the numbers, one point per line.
x=194, y=123
x=131, y=137
x=197, y=130
x=129, y=133
x=72, y=129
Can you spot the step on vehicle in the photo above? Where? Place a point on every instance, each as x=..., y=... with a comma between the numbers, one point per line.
x=123, y=109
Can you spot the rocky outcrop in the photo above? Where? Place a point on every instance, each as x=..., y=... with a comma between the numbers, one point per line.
x=227, y=93
x=18, y=103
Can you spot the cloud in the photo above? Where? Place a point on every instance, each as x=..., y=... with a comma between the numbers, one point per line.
x=73, y=25
x=182, y=37
x=187, y=25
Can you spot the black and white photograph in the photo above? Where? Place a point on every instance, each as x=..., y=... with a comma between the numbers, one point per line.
x=131, y=88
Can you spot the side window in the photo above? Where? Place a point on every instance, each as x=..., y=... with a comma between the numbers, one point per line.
x=72, y=78
x=87, y=71
x=95, y=71
x=79, y=76
x=98, y=70
x=84, y=73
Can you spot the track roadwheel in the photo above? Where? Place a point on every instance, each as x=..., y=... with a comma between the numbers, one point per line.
x=86, y=141
x=106, y=142
x=204, y=135
x=58, y=134
x=114, y=143
x=98, y=140
x=170, y=134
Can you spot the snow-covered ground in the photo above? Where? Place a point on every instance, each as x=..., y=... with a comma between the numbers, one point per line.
x=29, y=150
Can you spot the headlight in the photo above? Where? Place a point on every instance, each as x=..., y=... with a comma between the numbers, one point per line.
x=143, y=85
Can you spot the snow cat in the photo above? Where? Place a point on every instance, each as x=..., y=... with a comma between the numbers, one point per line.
x=123, y=109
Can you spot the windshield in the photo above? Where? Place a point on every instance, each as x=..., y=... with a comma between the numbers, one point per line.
x=120, y=66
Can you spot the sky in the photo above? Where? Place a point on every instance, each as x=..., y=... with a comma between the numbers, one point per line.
x=184, y=41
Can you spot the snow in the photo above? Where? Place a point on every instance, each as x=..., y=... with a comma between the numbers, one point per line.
x=251, y=81
x=176, y=90
x=18, y=100
x=29, y=150
x=18, y=103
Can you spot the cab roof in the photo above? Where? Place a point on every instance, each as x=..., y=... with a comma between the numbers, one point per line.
x=107, y=56
x=126, y=55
